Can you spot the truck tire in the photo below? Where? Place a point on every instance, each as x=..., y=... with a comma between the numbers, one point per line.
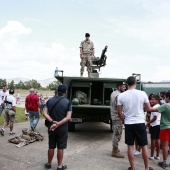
x=71, y=126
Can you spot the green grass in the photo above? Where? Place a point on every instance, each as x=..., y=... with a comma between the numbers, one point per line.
x=20, y=116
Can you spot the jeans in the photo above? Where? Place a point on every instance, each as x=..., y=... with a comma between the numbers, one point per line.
x=37, y=117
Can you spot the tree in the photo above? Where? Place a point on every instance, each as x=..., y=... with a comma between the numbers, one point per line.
x=2, y=82
x=11, y=85
x=53, y=86
x=20, y=85
x=32, y=84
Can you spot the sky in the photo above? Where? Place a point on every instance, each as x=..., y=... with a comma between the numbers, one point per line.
x=36, y=36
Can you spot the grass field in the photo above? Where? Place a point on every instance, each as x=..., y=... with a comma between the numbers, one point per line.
x=20, y=113
x=20, y=116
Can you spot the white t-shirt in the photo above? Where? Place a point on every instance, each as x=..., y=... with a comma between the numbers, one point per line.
x=2, y=96
x=11, y=101
x=157, y=114
x=133, y=103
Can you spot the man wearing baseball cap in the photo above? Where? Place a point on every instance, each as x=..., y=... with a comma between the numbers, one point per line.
x=86, y=55
x=58, y=112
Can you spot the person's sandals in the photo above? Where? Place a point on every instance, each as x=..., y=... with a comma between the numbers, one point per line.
x=62, y=168
x=47, y=166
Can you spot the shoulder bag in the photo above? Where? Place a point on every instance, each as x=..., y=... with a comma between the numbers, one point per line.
x=46, y=121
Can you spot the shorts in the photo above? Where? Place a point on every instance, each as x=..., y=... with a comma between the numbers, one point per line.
x=136, y=132
x=8, y=117
x=165, y=135
x=58, y=139
x=155, y=131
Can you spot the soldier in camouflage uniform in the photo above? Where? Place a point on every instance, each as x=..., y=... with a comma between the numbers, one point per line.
x=116, y=122
x=86, y=55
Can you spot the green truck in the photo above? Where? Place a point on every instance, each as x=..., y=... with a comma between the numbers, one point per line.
x=93, y=98
x=90, y=97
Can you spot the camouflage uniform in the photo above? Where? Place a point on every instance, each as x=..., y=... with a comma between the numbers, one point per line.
x=116, y=123
x=87, y=48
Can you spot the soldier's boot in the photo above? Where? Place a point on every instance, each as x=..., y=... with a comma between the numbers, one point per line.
x=81, y=74
x=117, y=154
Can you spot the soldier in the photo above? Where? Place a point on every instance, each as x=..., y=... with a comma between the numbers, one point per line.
x=116, y=122
x=86, y=55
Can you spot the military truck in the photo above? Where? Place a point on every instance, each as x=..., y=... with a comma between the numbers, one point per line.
x=90, y=97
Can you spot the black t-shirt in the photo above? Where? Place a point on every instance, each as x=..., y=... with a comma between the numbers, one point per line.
x=60, y=110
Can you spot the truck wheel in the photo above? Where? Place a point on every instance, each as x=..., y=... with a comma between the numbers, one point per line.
x=71, y=126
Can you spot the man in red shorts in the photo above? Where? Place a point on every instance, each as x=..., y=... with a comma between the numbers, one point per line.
x=164, y=128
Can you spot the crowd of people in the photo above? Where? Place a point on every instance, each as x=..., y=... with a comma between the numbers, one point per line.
x=128, y=108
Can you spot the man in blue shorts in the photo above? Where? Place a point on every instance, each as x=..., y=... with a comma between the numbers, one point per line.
x=58, y=112
x=132, y=102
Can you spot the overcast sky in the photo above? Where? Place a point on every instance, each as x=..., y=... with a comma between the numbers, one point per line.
x=36, y=36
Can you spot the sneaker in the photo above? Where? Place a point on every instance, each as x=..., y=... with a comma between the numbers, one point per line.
x=62, y=168
x=157, y=157
x=2, y=132
x=11, y=133
x=137, y=153
x=47, y=166
x=134, y=151
x=151, y=157
x=162, y=165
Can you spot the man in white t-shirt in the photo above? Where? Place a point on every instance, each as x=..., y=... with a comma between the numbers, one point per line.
x=132, y=102
x=3, y=93
x=9, y=112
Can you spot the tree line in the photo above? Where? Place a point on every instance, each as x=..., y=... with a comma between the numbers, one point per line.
x=28, y=84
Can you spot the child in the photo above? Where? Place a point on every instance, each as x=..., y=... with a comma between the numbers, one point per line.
x=164, y=128
x=42, y=102
x=26, y=115
x=154, y=125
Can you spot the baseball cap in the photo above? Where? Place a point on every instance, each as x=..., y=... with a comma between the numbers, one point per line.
x=87, y=35
x=62, y=89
